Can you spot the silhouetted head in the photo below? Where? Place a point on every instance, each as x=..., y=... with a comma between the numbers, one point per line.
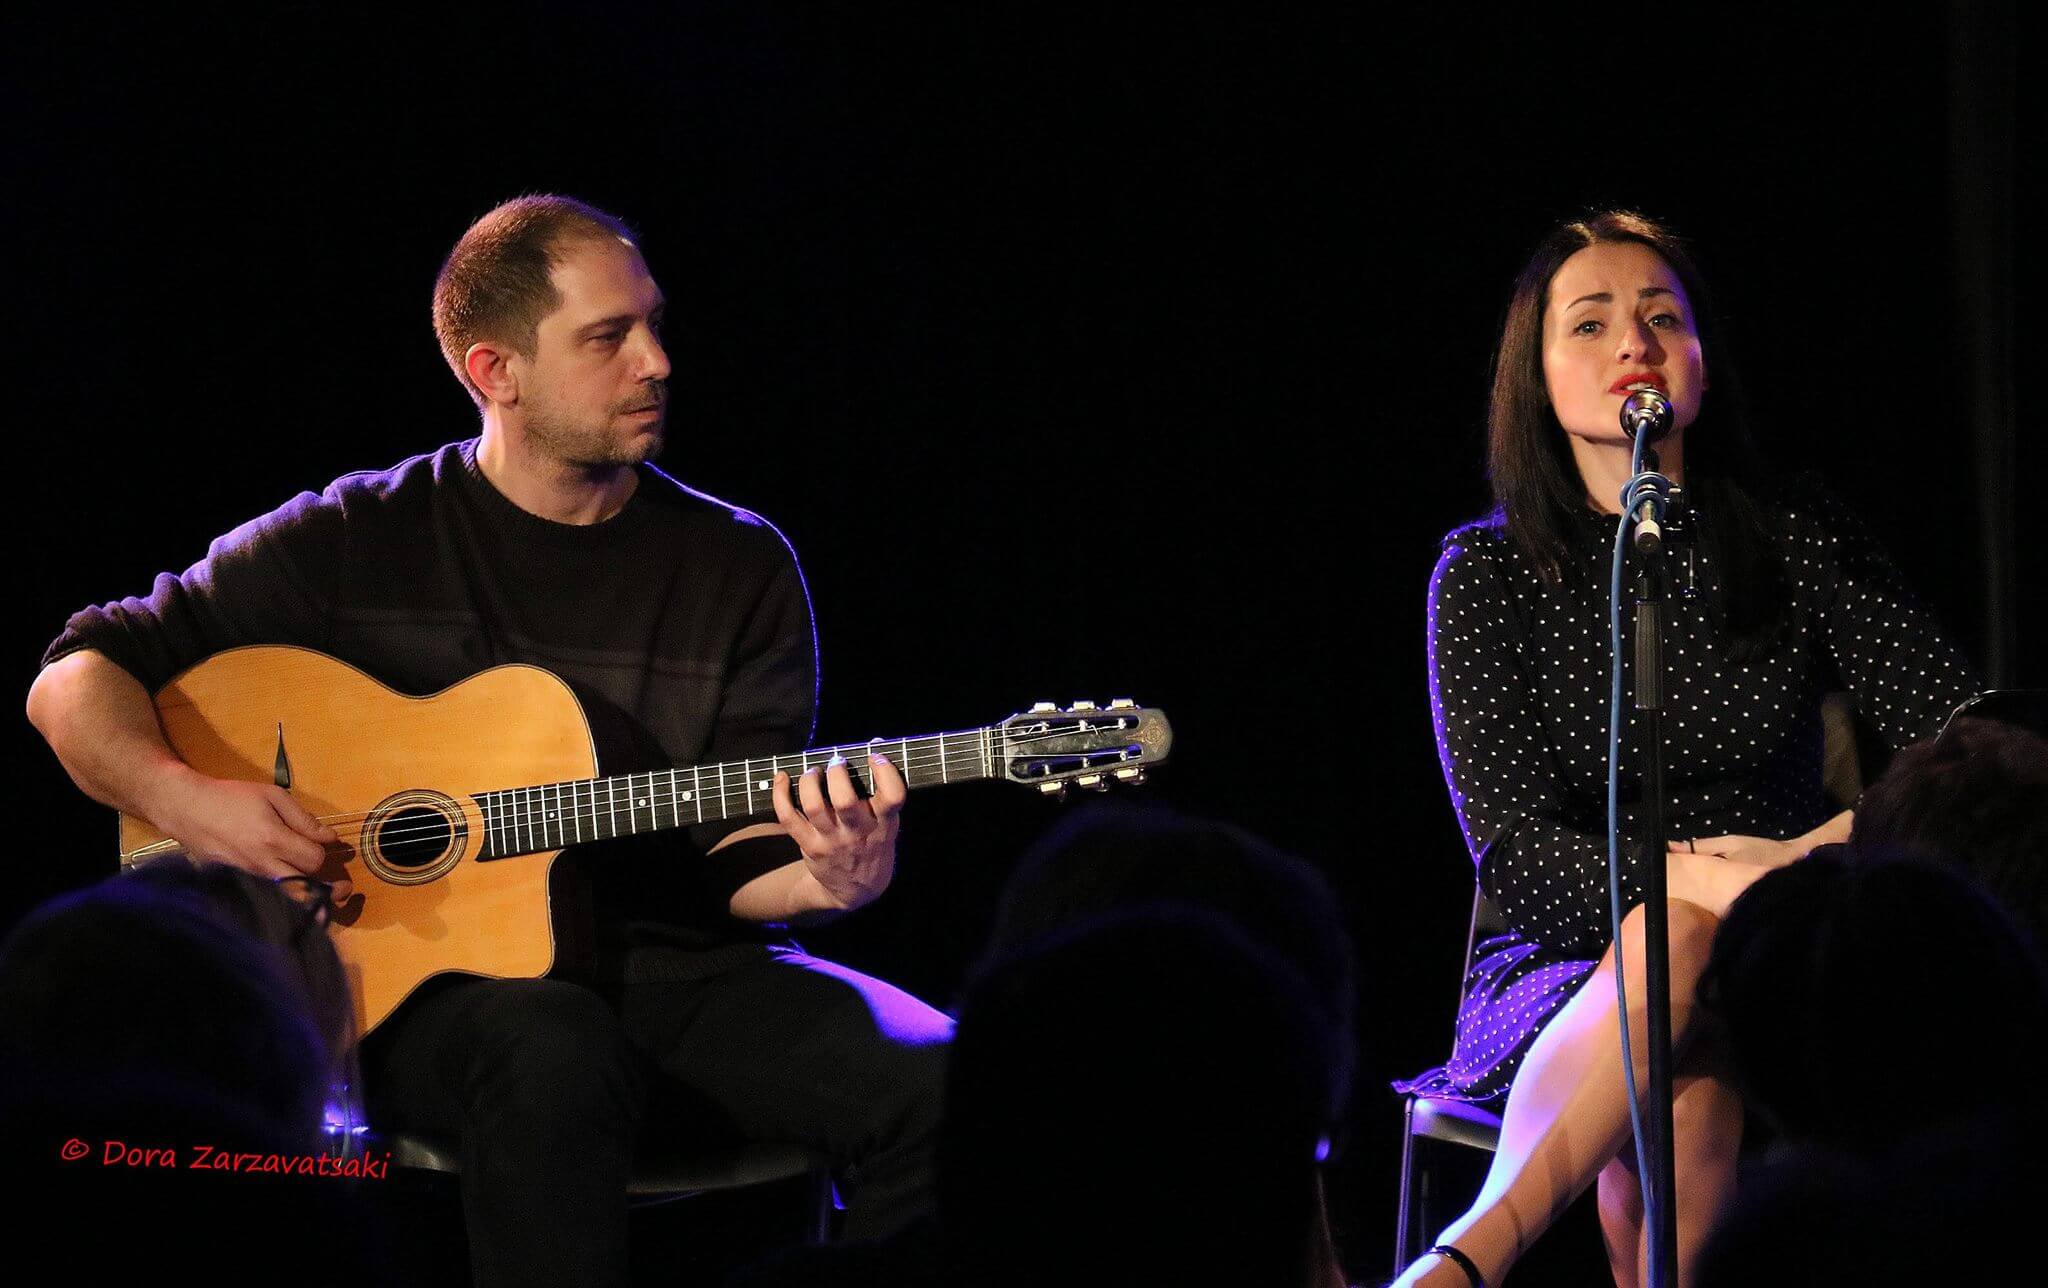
x=177, y=992
x=1865, y=1000
x=1118, y=859
x=1948, y=1205
x=1136, y=1099
x=1974, y=799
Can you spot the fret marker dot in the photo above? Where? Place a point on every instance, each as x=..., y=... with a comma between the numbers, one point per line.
x=686, y=795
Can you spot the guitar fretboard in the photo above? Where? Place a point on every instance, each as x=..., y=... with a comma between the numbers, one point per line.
x=550, y=816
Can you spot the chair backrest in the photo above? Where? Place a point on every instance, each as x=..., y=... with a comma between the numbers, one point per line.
x=1841, y=760
x=1486, y=922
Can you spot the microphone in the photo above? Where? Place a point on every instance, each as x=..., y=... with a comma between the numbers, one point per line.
x=1646, y=417
x=1646, y=414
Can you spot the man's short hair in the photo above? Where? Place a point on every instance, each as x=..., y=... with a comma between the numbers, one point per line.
x=496, y=283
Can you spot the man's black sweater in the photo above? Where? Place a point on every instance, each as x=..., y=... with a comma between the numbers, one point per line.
x=681, y=623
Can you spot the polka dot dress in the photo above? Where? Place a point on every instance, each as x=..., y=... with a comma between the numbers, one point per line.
x=1519, y=682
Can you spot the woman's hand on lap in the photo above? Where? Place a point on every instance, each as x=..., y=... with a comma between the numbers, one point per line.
x=1759, y=851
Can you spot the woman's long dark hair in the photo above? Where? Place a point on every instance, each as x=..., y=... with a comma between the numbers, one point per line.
x=1536, y=484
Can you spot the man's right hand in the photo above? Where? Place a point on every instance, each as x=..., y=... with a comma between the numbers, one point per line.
x=254, y=826
x=103, y=727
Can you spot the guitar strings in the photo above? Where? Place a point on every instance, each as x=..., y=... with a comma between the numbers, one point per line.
x=530, y=813
x=531, y=818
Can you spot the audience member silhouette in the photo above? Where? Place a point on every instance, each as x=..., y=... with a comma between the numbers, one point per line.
x=1153, y=1057
x=1885, y=1016
x=1941, y=1207
x=1976, y=799
x=1140, y=1098
x=1861, y=998
x=1120, y=858
x=151, y=1025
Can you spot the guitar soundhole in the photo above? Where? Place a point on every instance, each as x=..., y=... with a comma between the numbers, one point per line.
x=414, y=838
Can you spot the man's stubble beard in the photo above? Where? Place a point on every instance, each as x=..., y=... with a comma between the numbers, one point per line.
x=584, y=448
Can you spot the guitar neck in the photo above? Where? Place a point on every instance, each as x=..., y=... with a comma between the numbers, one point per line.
x=550, y=816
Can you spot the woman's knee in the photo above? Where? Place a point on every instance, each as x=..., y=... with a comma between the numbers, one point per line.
x=1690, y=931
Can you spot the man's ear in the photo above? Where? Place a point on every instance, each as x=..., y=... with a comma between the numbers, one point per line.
x=490, y=368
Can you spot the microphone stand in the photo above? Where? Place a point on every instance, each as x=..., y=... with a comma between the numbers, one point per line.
x=1661, y=1210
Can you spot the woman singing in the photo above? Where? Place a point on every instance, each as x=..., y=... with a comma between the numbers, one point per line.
x=1793, y=602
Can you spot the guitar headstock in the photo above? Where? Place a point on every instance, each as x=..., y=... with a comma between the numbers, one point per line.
x=1082, y=745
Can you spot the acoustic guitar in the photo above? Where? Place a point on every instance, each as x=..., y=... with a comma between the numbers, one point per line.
x=452, y=807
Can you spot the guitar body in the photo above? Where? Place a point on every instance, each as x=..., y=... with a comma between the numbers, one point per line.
x=450, y=809
x=395, y=776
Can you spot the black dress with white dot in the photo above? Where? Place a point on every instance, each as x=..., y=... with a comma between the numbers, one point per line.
x=1519, y=682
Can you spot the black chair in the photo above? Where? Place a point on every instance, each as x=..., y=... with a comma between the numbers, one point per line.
x=1449, y=1121
x=666, y=1179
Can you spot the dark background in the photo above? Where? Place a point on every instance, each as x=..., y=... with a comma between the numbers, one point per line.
x=1080, y=354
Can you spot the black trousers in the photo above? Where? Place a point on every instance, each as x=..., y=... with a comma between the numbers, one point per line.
x=551, y=1087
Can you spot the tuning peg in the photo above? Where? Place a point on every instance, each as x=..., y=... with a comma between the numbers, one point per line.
x=1121, y=704
x=1082, y=705
x=1044, y=708
x=1053, y=789
x=1134, y=775
x=1092, y=782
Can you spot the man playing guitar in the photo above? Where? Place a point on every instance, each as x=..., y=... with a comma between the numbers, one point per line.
x=682, y=626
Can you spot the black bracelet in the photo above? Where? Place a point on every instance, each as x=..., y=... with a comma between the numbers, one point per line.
x=1463, y=1262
